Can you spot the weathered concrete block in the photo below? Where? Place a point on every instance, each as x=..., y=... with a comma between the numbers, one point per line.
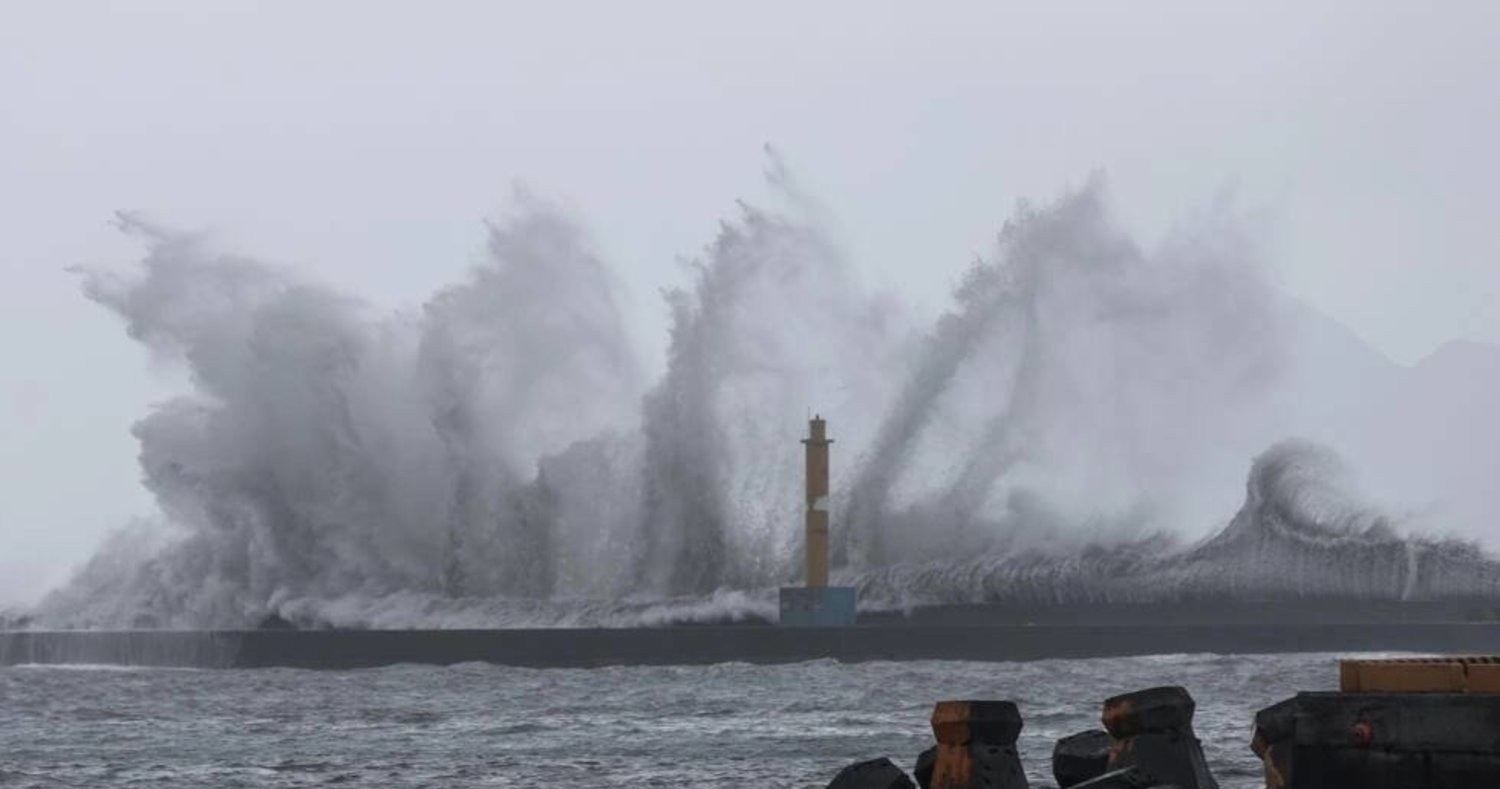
x=1380, y=741
x=1168, y=708
x=1171, y=757
x=1153, y=730
x=961, y=722
x=1272, y=742
x=978, y=766
x=926, y=760
x=976, y=745
x=1079, y=757
x=873, y=774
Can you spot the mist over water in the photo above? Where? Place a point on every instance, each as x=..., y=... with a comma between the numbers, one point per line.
x=1077, y=425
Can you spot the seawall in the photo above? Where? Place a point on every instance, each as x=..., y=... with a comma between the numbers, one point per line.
x=348, y=649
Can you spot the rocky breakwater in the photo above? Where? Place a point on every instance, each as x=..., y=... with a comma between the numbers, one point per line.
x=1399, y=723
x=1147, y=742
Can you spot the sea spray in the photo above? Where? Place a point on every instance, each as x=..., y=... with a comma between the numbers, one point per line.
x=1059, y=435
x=1076, y=375
x=326, y=451
x=772, y=325
x=1303, y=532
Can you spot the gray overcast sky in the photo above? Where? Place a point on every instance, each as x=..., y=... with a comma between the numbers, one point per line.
x=364, y=142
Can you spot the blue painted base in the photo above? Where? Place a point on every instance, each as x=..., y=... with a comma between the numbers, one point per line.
x=829, y=606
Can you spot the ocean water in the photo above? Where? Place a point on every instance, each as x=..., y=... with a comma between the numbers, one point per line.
x=730, y=725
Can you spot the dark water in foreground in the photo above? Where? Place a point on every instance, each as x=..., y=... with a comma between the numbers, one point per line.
x=730, y=725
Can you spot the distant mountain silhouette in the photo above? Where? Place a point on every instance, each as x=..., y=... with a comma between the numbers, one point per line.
x=1423, y=440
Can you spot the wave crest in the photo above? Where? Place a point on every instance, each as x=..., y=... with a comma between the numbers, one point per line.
x=495, y=458
x=1302, y=532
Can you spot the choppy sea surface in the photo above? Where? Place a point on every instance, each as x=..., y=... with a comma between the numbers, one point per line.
x=730, y=725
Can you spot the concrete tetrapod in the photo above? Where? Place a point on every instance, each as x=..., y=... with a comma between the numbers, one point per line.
x=976, y=745
x=926, y=761
x=873, y=774
x=1153, y=729
x=1433, y=740
x=1079, y=757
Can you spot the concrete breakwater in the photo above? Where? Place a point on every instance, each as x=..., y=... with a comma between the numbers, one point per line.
x=347, y=649
x=1394, y=723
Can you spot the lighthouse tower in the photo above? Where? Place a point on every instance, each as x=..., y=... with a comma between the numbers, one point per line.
x=817, y=442
x=817, y=604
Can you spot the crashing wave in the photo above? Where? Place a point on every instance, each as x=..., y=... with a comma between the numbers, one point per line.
x=1303, y=532
x=495, y=458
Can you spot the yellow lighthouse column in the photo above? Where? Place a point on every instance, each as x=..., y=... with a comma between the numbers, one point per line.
x=817, y=604
x=817, y=442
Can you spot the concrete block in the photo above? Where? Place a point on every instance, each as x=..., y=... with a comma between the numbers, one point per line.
x=1381, y=741
x=1271, y=740
x=1171, y=757
x=977, y=765
x=1421, y=675
x=1153, y=730
x=1405, y=676
x=1079, y=757
x=873, y=774
x=926, y=760
x=1483, y=677
x=976, y=745
x=1168, y=708
x=961, y=722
